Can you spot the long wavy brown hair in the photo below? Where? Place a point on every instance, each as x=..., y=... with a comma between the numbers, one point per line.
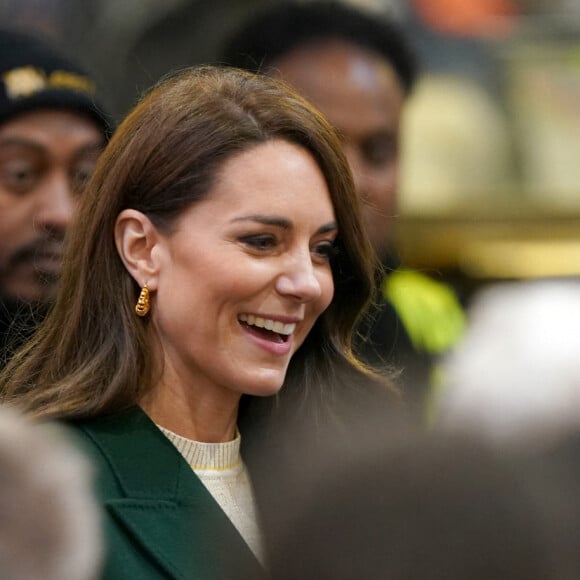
x=93, y=355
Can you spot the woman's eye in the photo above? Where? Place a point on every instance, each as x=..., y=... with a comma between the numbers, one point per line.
x=260, y=242
x=326, y=250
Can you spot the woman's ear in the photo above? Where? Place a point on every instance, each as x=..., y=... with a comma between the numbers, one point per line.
x=136, y=239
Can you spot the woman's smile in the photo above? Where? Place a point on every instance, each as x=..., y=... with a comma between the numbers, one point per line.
x=268, y=326
x=273, y=335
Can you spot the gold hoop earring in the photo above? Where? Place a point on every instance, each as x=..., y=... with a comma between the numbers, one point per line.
x=143, y=303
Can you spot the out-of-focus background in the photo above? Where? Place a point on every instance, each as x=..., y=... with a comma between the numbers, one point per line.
x=490, y=184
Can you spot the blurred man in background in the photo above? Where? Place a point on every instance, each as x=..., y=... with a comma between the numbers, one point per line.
x=358, y=69
x=51, y=134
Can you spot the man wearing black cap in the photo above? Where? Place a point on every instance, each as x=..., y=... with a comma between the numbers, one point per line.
x=51, y=134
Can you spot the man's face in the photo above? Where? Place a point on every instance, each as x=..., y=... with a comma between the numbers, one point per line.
x=45, y=158
x=362, y=97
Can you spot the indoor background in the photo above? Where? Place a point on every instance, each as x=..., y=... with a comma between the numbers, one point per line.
x=490, y=184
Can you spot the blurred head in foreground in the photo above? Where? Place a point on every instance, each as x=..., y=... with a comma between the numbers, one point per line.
x=515, y=377
x=49, y=523
x=410, y=508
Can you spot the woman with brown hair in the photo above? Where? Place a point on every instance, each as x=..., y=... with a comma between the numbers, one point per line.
x=209, y=289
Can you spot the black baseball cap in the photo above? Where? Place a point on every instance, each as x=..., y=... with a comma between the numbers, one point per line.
x=35, y=75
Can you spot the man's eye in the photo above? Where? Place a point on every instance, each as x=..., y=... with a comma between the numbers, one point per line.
x=80, y=175
x=260, y=242
x=379, y=151
x=18, y=177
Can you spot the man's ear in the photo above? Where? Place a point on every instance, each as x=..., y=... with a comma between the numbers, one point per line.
x=137, y=239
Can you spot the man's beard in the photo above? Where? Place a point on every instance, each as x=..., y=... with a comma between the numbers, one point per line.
x=39, y=261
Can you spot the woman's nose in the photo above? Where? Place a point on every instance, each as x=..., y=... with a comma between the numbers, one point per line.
x=299, y=279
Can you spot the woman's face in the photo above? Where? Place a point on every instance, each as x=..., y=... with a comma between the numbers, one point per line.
x=245, y=273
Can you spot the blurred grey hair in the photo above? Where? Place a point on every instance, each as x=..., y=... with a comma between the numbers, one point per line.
x=515, y=376
x=50, y=525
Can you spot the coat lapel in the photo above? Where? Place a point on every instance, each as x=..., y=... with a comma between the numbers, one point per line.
x=164, y=507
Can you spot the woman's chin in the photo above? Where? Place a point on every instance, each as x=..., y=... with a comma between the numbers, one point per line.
x=264, y=386
x=264, y=391
x=255, y=377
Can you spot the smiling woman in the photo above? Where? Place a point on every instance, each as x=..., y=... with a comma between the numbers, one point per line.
x=224, y=207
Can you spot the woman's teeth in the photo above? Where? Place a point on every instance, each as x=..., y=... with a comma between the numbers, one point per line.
x=268, y=324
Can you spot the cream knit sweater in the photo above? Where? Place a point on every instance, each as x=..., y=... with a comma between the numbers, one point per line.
x=220, y=468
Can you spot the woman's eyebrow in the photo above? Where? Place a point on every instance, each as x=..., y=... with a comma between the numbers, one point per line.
x=326, y=228
x=281, y=222
x=267, y=220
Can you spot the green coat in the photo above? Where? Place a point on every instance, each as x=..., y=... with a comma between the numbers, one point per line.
x=160, y=520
